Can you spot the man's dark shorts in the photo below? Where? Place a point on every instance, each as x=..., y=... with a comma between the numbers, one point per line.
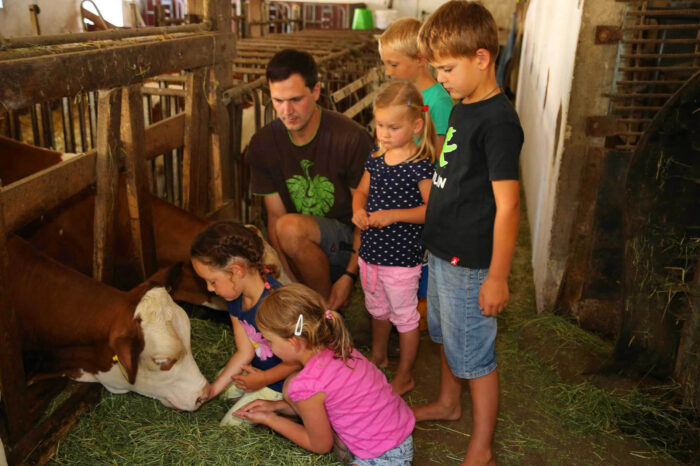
x=336, y=242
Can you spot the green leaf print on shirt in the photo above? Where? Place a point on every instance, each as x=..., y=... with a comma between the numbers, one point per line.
x=447, y=147
x=311, y=196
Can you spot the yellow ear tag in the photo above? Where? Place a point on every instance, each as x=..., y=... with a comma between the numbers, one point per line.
x=121, y=367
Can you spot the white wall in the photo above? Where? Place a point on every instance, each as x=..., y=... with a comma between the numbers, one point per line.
x=502, y=10
x=55, y=17
x=544, y=90
x=561, y=61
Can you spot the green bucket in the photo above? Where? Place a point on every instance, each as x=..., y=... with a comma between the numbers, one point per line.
x=362, y=19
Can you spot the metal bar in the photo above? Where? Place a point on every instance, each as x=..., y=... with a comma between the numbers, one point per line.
x=660, y=55
x=55, y=39
x=636, y=107
x=652, y=13
x=657, y=27
x=638, y=96
x=657, y=40
x=663, y=68
x=81, y=122
x=626, y=82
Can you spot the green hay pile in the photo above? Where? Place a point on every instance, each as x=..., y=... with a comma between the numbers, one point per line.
x=132, y=429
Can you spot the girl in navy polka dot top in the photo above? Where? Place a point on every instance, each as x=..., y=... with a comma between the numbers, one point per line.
x=389, y=209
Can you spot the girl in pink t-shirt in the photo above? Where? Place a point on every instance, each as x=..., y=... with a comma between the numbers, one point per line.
x=337, y=390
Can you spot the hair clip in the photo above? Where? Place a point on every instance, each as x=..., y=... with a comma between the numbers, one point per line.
x=329, y=314
x=425, y=108
x=299, y=326
x=267, y=285
x=266, y=270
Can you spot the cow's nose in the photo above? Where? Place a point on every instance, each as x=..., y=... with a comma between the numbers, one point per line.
x=203, y=395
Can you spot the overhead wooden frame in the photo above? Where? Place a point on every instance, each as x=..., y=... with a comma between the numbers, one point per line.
x=129, y=60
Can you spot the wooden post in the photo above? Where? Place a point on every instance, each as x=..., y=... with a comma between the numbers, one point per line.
x=255, y=15
x=221, y=78
x=106, y=171
x=196, y=150
x=140, y=217
x=11, y=367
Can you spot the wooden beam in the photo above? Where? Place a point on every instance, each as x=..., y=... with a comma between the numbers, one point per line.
x=164, y=136
x=137, y=192
x=11, y=367
x=107, y=173
x=29, y=80
x=28, y=198
x=196, y=151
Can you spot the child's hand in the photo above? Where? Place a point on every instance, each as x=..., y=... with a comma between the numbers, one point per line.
x=254, y=380
x=381, y=218
x=360, y=219
x=493, y=296
x=257, y=411
x=217, y=387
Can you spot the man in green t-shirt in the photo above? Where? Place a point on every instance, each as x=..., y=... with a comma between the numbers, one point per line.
x=307, y=164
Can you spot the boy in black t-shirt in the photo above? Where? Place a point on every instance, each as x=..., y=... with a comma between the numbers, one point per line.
x=472, y=217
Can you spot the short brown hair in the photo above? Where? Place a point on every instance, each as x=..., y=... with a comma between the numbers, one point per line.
x=458, y=29
x=402, y=36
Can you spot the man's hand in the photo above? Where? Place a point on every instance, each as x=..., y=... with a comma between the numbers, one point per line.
x=493, y=296
x=340, y=293
x=253, y=380
x=381, y=218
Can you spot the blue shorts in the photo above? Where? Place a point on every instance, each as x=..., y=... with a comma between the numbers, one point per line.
x=402, y=455
x=455, y=320
x=336, y=243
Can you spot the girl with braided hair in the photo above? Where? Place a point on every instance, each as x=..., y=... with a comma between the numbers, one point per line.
x=228, y=256
x=341, y=397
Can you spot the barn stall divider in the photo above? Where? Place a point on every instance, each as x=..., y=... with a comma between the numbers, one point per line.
x=36, y=70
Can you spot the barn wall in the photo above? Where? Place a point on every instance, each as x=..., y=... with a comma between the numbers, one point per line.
x=563, y=75
x=502, y=10
x=55, y=17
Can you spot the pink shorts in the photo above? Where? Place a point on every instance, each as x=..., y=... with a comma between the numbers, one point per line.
x=391, y=293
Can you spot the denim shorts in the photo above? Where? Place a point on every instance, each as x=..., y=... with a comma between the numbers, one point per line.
x=336, y=243
x=455, y=320
x=401, y=455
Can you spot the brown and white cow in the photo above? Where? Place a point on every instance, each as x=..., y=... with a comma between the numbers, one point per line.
x=75, y=326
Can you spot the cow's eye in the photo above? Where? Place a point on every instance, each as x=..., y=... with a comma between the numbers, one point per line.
x=165, y=364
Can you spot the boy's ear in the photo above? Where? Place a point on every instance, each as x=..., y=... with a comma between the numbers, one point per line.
x=483, y=58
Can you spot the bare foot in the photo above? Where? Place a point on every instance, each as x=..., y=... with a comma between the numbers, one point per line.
x=437, y=412
x=482, y=458
x=380, y=362
x=401, y=385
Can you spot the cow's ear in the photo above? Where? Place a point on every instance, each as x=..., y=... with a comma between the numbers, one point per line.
x=128, y=349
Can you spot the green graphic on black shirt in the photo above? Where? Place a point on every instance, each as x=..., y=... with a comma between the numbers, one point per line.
x=311, y=196
x=447, y=147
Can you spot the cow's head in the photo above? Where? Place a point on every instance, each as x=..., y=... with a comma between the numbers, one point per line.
x=155, y=356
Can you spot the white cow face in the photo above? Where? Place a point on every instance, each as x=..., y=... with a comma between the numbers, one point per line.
x=166, y=369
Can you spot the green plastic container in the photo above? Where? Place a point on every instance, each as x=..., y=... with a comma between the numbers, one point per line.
x=362, y=19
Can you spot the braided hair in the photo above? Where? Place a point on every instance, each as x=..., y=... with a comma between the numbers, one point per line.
x=225, y=243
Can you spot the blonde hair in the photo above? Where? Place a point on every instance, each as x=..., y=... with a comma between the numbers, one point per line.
x=406, y=95
x=279, y=313
x=401, y=36
x=458, y=29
